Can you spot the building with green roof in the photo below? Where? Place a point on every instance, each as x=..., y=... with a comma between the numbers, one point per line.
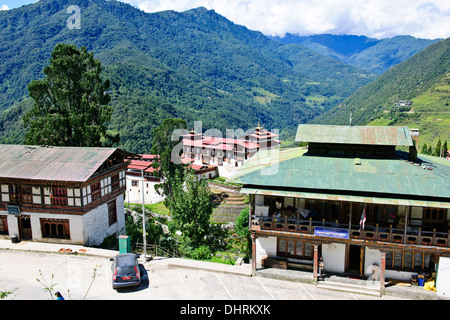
x=353, y=197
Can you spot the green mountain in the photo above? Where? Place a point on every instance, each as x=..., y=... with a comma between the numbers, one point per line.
x=423, y=79
x=373, y=55
x=196, y=65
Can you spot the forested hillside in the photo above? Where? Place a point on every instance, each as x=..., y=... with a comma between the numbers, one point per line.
x=373, y=55
x=424, y=79
x=195, y=65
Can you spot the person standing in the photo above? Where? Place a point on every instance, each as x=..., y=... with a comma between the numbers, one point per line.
x=321, y=267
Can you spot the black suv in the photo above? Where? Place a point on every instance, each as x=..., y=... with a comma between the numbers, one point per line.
x=125, y=269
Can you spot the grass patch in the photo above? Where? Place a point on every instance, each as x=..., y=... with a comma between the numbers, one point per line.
x=158, y=208
x=380, y=122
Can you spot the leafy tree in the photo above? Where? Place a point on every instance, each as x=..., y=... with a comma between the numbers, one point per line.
x=425, y=149
x=437, y=151
x=430, y=150
x=243, y=231
x=190, y=206
x=242, y=224
x=163, y=145
x=444, y=148
x=70, y=103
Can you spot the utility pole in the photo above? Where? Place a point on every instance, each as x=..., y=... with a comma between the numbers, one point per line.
x=143, y=217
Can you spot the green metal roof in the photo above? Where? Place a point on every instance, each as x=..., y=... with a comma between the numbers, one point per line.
x=365, y=135
x=295, y=169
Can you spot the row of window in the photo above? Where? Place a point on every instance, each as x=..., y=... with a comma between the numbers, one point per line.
x=60, y=196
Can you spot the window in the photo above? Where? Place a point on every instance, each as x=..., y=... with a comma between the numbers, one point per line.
x=96, y=192
x=26, y=194
x=434, y=217
x=112, y=212
x=115, y=182
x=407, y=261
x=3, y=225
x=134, y=183
x=59, y=196
x=294, y=249
x=55, y=228
x=14, y=193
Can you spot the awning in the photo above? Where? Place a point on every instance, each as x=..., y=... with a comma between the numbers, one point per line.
x=350, y=198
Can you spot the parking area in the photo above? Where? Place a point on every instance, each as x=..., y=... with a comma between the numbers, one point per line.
x=72, y=276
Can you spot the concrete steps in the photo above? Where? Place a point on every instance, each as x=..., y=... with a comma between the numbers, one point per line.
x=372, y=290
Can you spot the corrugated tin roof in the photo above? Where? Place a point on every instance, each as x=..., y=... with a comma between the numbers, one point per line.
x=51, y=163
x=365, y=135
x=294, y=168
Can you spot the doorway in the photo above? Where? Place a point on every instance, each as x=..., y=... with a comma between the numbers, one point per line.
x=355, y=259
x=25, y=227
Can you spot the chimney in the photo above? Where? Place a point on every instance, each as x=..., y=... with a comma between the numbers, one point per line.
x=413, y=150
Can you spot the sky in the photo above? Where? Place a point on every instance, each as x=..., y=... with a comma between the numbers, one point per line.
x=428, y=19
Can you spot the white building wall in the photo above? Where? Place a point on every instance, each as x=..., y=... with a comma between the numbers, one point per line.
x=265, y=247
x=443, y=277
x=88, y=229
x=96, y=223
x=372, y=262
x=133, y=194
x=334, y=257
x=75, y=223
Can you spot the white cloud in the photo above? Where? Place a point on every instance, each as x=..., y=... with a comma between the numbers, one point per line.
x=4, y=7
x=374, y=18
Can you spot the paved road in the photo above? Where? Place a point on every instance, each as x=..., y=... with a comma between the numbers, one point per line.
x=73, y=276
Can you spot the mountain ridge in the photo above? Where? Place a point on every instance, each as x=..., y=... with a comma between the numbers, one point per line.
x=373, y=55
x=423, y=79
x=196, y=65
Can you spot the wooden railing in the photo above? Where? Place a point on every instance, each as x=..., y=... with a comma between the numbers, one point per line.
x=371, y=233
x=155, y=250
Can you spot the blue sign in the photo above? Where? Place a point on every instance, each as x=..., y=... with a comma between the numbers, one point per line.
x=331, y=232
x=13, y=210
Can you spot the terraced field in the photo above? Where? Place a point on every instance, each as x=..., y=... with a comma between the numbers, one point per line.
x=227, y=205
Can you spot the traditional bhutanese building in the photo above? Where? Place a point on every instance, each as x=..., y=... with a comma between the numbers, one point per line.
x=142, y=178
x=62, y=194
x=226, y=151
x=353, y=198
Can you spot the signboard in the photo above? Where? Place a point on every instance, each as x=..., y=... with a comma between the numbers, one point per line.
x=331, y=232
x=13, y=210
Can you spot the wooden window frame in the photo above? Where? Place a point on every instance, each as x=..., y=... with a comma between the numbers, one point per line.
x=59, y=196
x=4, y=225
x=112, y=212
x=398, y=260
x=96, y=191
x=295, y=242
x=55, y=228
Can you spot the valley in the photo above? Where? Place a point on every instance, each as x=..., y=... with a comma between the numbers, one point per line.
x=199, y=66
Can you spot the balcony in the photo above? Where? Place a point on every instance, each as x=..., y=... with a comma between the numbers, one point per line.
x=377, y=234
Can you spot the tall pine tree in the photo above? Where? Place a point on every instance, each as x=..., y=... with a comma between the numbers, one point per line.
x=70, y=103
